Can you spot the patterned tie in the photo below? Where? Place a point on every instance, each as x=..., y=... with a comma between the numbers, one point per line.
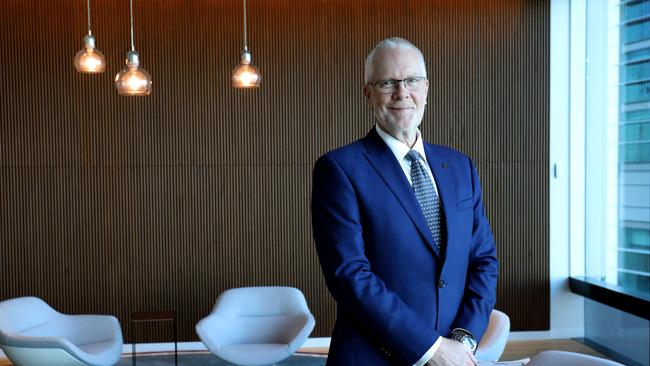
x=427, y=197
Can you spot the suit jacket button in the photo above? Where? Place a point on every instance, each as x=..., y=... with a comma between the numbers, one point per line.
x=442, y=283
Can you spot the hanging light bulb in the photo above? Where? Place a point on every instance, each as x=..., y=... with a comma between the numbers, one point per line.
x=246, y=75
x=89, y=60
x=132, y=79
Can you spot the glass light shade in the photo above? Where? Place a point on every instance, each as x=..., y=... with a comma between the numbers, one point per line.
x=89, y=60
x=246, y=75
x=133, y=80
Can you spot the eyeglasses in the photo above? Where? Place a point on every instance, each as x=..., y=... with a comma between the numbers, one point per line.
x=390, y=85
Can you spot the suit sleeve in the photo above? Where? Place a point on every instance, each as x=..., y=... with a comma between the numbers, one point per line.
x=482, y=272
x=364, y=296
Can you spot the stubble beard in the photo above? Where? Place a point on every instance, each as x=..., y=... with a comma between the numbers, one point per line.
x=395, y=127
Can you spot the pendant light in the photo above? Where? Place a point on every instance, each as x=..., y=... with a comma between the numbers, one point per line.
x=89, y=60
x=132, y=79
x=246, y=75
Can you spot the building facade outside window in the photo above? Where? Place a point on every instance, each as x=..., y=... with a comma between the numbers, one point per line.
x=617, y=144
x=633, y=259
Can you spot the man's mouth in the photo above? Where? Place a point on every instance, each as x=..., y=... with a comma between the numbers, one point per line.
x=400, y=109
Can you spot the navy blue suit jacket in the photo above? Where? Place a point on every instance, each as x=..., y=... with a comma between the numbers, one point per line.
x=395, y=294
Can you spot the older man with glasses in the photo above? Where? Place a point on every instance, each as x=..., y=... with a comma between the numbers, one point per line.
x=401, y=232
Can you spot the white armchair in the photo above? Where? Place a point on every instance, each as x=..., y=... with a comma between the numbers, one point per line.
x=32, y=333
x=257, y=325
x=554, y=358
x=495, y=338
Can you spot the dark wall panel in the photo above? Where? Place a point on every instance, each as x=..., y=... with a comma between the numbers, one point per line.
x=113, y=204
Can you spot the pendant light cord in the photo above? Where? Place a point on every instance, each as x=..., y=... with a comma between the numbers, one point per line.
x=89, y=31
x=132, y=36
x=245, y=42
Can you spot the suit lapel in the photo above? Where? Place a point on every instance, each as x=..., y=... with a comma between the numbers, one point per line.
x=445, y=184
x=383, y=161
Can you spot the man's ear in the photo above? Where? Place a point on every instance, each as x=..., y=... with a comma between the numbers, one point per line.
x=426, y=92
x=366, y=93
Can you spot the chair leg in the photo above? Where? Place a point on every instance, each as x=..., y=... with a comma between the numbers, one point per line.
x=132, y=345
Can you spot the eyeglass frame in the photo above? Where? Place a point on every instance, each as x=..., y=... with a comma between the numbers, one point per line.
x=397, y=82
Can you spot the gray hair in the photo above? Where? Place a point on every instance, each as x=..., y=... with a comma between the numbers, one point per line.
x=391, y=43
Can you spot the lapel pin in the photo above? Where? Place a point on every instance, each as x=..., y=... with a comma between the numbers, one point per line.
x=444, y=165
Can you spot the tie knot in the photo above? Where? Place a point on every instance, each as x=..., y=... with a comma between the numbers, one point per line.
x=412, y=156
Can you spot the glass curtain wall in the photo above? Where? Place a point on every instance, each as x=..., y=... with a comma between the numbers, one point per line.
x=633, y=259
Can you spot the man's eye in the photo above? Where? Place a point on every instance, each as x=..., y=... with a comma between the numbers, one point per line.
x=387, y=84
x=411, y=81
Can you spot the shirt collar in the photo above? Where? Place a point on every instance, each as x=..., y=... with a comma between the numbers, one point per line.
x=399, y=148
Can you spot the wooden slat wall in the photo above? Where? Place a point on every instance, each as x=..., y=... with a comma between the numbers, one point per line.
x=113, y=204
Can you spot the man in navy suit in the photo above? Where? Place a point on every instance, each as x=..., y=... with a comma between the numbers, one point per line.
x=401, y=232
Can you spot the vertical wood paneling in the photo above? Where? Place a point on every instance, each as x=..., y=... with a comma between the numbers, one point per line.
x=112, y=204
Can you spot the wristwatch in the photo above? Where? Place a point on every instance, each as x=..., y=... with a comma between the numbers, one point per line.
x=465, y=337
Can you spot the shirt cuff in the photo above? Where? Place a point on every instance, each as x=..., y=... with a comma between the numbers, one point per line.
x=427, y=356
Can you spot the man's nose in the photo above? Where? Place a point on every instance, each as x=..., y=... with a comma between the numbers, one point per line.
x=400, y=91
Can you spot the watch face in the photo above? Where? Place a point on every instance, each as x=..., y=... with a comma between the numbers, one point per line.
x=469, y=342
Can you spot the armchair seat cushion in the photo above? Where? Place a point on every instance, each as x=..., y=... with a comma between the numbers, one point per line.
x=253, y=354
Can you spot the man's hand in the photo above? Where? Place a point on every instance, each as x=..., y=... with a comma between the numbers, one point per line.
x=452, y=353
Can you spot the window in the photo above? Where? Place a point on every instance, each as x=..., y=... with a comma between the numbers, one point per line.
x=617, y=144
x=600, y=177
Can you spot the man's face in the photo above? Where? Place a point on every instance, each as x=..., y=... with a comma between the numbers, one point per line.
x=400, y=110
